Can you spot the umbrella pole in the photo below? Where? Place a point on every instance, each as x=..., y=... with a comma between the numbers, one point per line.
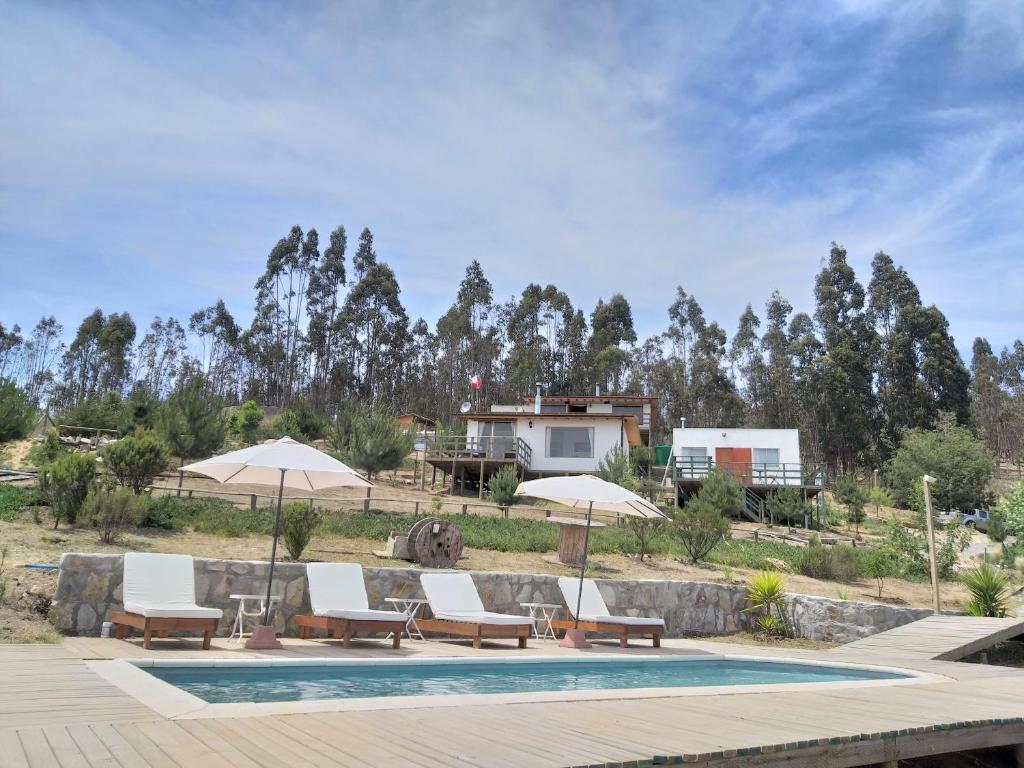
x=583, y=565
x=273, y=548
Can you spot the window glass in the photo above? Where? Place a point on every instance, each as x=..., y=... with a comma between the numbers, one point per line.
x=693, y=453
x=570, y=442
x=766, y=456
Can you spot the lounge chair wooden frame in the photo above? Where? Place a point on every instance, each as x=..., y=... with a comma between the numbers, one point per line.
x=612, y=628
x=477, y=630
x=162, y=625
x=344, y=629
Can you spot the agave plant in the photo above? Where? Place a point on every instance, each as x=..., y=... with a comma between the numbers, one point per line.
x=989, y=591
x=766, y=595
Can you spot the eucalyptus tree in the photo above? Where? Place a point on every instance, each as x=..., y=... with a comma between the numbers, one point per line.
x=324, y=298
x=160, y=355
x=99, y=359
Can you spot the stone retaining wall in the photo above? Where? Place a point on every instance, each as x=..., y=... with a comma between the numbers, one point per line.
x=89, y=588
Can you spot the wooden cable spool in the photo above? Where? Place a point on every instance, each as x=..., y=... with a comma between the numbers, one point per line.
x=435, y=543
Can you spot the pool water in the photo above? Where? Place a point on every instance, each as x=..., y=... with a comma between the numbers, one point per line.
x=250, y=683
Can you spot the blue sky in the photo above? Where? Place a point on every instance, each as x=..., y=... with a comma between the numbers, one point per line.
x=154, y=152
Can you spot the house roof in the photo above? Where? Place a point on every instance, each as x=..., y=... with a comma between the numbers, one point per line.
x=513, y=415
x=415, y=418
x=585, y=399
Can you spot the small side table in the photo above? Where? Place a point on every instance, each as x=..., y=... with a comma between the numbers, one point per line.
x=410, y=606
x=543, y=614
x=239, y=626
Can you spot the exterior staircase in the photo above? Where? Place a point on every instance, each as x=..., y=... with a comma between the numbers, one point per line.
x=754, y=507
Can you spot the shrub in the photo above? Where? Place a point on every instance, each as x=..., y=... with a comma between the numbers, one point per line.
x=298, y=523
x=910, y=549
x=766, y=597
x=190, y=421
x=95, y=412
x=1011, y=507
x=46, y=451
x=617, y=468
x=65, y=483
x=835, y=563
x=723, y=492
x=17, y=412
x=879, y=497
x=111, y=510
x=997, y=529
x=880, y=564
x=313, y=425
x=371, y=440
x=961, y=464
x=502, y=485
x=245, y=423
x=851, y=494
x=139, y=410
x=700, y=526
x=645, y=530
x=284, y=424
x=787, y=505
x=989, y=592
x=641, y=457
x=13, y=498
x=135, y=460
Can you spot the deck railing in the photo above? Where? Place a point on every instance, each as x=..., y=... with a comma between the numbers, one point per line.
x=455, y=447
x=751, y=473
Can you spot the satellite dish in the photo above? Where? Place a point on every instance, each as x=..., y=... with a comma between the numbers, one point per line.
x=466, y=407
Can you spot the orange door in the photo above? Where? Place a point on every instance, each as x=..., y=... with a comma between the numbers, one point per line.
x=735, y=461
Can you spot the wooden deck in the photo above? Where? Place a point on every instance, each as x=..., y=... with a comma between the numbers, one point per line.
x=56, y=712
x=947, y=638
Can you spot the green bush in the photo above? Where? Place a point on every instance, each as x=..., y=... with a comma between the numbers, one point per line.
x=646, y=530
x=110, y=511
x=723, y=492
x=839, y=562
x=909, y=548
x=851, y=494
x=700, y=526
x=370, y=440
x=1011, y=507
x=13, y=498
x=17, y=412
x=245, y=423
x=284, y=424
x=787, y=505
x=997, y=528
x=766, y=598
x=209, y=515
x=139, y=411
x=190, y=421
x=46, y=451
x=65, y=483
x=960, y=463
x=298, y=523
x=135, y=460
x=617, y=467
x=880, y=564
x=313, y=425
x=641, y=457
x=502, y=485
x=97, y=412
x=989, y=590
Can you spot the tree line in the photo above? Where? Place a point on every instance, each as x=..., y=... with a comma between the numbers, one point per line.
x=869, y=362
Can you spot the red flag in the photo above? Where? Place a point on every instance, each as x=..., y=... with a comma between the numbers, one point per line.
x=476, y=382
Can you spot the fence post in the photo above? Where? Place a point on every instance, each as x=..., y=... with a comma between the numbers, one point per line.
x=416, y=509
x=190, y=493
x=181, y=478
x=252, y=502
x=755, y=535
x=465, y=508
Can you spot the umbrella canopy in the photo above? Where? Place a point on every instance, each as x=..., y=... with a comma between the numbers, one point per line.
x=589, y=492
x=593, y=493
x=304, y=467
x=279, y=462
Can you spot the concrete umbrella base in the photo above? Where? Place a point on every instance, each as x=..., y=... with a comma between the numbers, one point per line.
x=263, y=638
x=574, y=638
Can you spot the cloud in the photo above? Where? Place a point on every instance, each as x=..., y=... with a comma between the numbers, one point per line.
x=157, y=155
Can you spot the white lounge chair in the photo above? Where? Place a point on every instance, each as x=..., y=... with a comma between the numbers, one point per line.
x=457, y=610
x=337, y=595
x=159, y=595
x=595, y=616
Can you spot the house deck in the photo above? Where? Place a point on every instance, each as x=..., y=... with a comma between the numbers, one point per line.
x=55, y=711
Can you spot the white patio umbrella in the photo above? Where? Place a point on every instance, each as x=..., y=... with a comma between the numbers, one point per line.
x=580, y=491
x=279, y=462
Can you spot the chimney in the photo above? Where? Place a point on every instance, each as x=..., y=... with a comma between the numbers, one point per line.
x=597, y=390
x=682, y=423
x=536, y=400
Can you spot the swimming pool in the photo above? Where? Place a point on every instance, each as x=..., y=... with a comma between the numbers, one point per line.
x=242, y=682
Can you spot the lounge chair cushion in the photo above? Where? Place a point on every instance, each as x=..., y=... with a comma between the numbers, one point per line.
x=158, y=585
x=365, y=614
x=453, y=597
x=483, y=617
x=338, y=591
x=175, y=611
x=593, y=607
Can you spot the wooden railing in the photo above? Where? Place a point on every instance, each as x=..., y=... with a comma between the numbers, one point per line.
x=751, y=473
x=455, y=447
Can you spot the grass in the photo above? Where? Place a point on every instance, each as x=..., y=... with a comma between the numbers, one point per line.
x=41, y=634
x=12, y=499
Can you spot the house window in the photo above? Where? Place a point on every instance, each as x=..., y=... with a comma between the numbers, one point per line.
x=497, y=439
x=570, y=442
x=768, y=456
x=694, y=453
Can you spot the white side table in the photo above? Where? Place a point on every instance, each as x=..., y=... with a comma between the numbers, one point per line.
x=543, y=614
x=410, y=606
x=239, y=626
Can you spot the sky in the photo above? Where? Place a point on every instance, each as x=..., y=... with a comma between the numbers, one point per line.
x=152, y=153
